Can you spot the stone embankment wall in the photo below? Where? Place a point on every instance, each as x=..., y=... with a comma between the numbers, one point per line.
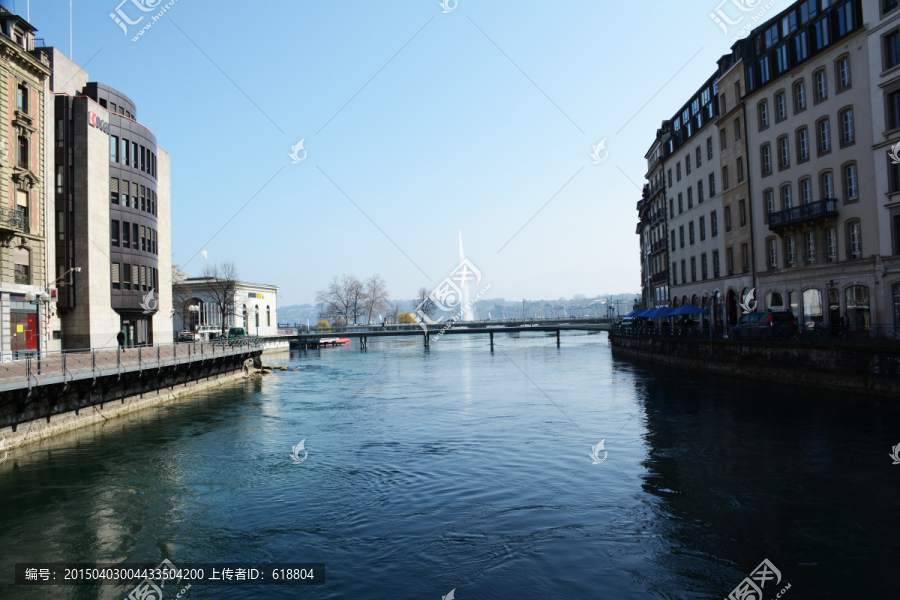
x=856, y=368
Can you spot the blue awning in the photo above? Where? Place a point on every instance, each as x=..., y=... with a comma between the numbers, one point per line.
x=688, y=309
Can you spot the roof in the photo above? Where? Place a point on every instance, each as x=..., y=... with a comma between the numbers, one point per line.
x=239, y=284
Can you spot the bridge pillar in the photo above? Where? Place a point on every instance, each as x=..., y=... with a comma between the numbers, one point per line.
x=557, y=338
x=426, y=340
x=492, y=341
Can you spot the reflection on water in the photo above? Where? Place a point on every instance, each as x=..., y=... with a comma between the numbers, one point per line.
x=455, y=467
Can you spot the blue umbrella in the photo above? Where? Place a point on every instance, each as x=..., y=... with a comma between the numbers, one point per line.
x=633, y=313
x=687, y=309
x=662, y=311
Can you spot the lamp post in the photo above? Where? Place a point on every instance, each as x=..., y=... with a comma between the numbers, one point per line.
x=256, y=318
x=37, y=300
x=195, y=309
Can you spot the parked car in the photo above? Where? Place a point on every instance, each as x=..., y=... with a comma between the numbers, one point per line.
x=237, y=332
x=627, y=322
x=765, y=325
x=187, y=336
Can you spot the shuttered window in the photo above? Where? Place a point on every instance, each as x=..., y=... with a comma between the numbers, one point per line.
x=115, y=276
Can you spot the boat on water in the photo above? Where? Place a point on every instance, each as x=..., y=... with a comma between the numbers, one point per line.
x=334, y=341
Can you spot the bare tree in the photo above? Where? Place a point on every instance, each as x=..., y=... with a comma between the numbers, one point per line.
x=221, y=283
x=342, y=300
x=377, y=298
x=424, y=303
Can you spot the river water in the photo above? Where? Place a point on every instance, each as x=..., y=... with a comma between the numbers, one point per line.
x=455, y=468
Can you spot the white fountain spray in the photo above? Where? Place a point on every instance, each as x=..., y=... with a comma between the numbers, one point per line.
x=465, y=313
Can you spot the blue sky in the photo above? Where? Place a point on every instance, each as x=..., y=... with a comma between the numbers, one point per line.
x=485, y=114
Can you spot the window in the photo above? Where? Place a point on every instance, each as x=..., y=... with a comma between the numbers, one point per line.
x=764, y=74
x=896, y=236
x=693, y=269
x=724, y=104
x=742, y=209
x=671, y=208
x=745, y=258
x=857, y=305
x=142, y=198
x=680, y=203
x=845, y=18
x=704, y=273
x=892, y=106
x=699, y=157
x=134, y=236
x=799, y=97
x=22, y=265
x=126, y=235
x=112, y=107
x=805, y=191
x=681, y=233
x=888, y=5
x=115, y=276
x=22, y=99
x=807, y=10
x=690, y=192
x=134, y=154
x=729, y=260
x=670, y=177
x=773, y=253
x=821, y=32
x=709, y=148
x=763, y=115
x=821, y=86
x=801, y=46
x=766, y=159
x=114, y=233
x=740, y=169
x=712, y=185
x=824, y=129
x=737, y=129
x=786, y=197
x=143, y=167
x=847, y=132
x=134, y=194
x=893, y=175
x=678, y=171
x=781, y=58
x=810, y=247
x=59, y=179
x=831, y=237
x=891, y=56
x=125, y=147
x=723, y=140
x=780, y=107
x=143, y=239
x=691, y=232
x=683, y=272
x=769, y=196
x=23, y=152
x=727, y=212
x=126, y=277
x=700, y=192
x=827, y=185
x=789, y=250
x=60, y=133
x=673, y=241
x=843, y=74
x=114, y=190
x=851, y=188
x=674, y=274
x=725, y=178
x=702, y=225
x=714, y=223
x=854, y=239
x=802, y=144
x=784, y=153
x=716, y=271
x=687, y=164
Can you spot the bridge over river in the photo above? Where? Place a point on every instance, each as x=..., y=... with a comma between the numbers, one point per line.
x=489, y=328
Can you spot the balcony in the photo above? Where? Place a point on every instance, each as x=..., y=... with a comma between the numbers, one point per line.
x=14, y=220
x=658, y=245
x=661, y=277
x=821, y=209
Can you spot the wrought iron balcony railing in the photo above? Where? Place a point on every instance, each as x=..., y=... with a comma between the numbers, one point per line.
x=14, y=218
x=804, y=212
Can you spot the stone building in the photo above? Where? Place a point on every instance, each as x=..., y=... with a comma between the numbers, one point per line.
x=112, y=244
x=25, y=283
x=652, y=228
x=199, y=302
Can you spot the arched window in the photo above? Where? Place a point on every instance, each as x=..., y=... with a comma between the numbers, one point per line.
x=896, y=289
x=268, y=316
x=857, y=306
x=695, y=300
x=774, y=301
x=256, y=314
x=246, y=322
x=812, y=308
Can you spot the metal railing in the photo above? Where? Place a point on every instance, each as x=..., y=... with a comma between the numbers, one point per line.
x=874, y=334
x=69, y=363
x=14, y=218
x=819, y=208
x=535, y=321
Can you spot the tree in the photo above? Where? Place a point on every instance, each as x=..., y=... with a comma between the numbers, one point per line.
x=377, y=298
x=221, y=284
x=424, y=304
x=181, y=298
x=343, y=299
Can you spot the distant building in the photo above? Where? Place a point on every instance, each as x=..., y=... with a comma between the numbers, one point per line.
x=197, y=310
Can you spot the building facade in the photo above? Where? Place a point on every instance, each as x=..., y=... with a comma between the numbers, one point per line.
x=199, y=303
x=24, y=279
x=817, y=238
x=652, y=228
x=112, y=225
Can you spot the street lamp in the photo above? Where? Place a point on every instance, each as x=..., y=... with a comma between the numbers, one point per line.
x=195, y=309
x=37, y=300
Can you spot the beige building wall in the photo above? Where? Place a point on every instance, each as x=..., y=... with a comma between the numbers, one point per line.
x=162, y=320
x=823, y=274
